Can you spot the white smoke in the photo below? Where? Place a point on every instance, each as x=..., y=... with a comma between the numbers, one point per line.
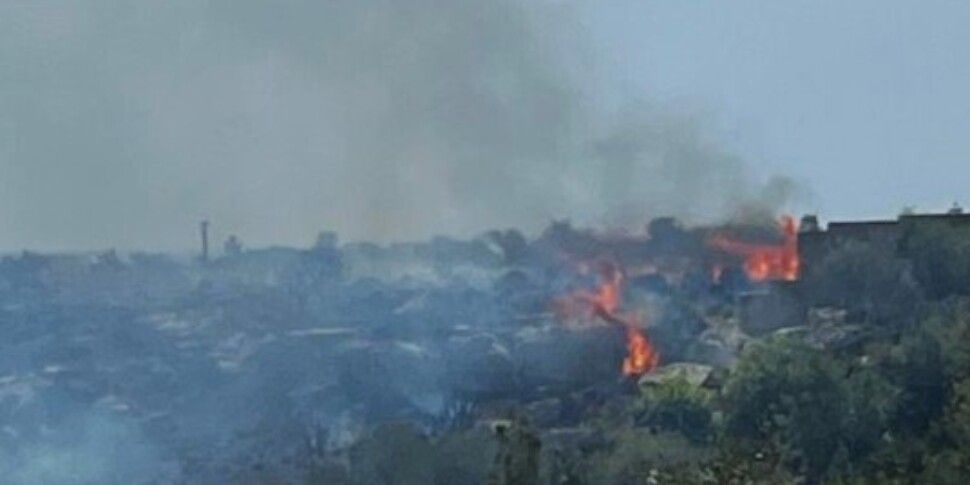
x=123, y=124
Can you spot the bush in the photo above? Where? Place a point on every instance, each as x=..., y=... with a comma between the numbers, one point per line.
x=394, y=454
x=941, y=258
x=635, y=454
x=867, y=279
x=677, y=405
x=815, y=411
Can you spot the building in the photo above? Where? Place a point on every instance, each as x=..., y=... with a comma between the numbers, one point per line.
x=816, y=243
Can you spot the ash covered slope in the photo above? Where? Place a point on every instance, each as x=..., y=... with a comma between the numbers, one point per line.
x=387, y=120
x=277, y=357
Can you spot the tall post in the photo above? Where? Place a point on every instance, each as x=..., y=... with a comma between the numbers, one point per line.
x=204, y=229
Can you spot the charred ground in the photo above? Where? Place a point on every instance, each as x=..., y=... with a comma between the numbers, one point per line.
x=742, y=353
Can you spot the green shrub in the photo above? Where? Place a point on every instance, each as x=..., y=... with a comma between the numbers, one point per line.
x=816, y=411
x=394, y=454
x=679, y=406
x=635, y=454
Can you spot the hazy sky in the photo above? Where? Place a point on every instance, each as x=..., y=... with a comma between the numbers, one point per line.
x=122, y=124
x=867, y=101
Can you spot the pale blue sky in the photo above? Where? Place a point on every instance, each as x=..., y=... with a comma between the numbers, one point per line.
x=866, y=100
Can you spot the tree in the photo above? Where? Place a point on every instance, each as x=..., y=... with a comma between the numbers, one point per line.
x=677, y=405
x=517, y=460
x=233, y=247
x=811, y=409
x=319, y=267
x=940, y=254
x=928, y=359
x=25, y=272
x=108, y=261
x=326, y=240
x=512, y=243
x=394, y=454
x=863, y=277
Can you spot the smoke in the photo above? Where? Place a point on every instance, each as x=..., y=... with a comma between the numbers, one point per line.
x=124, y=124
x=652, y=162
x=83, y=450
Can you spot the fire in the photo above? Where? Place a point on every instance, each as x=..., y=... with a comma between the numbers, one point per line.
x=764, y=262
x=604, y=303
x=641, y=356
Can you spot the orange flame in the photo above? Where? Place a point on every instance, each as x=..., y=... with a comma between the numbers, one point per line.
x=641, y=356
x=764, y=262
x=604, y=303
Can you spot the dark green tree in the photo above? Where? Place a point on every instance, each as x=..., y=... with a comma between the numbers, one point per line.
x=812, y=409
x=940, y=254
x=865, y=278
x=677, y=405
x=517, y=460
x=394, y=454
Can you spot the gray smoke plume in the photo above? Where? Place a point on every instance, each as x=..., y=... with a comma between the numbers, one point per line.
x=123, y=124
x=85, y=450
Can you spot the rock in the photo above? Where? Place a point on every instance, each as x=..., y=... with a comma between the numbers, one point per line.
x=826, y=316
x=767, y=311
x=695, y=374
x=827, y=337
x=713, y=353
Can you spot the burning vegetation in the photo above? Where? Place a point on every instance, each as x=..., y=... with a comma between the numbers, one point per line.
x=574, y=355
x=764, y=261
x=755, y=350
x=604, y=303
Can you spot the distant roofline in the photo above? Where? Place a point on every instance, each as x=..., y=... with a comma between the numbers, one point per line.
x=943, y=216
x=946, y=215
x=874, y=222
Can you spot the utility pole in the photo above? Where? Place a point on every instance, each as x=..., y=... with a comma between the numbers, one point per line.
x=204, y=230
